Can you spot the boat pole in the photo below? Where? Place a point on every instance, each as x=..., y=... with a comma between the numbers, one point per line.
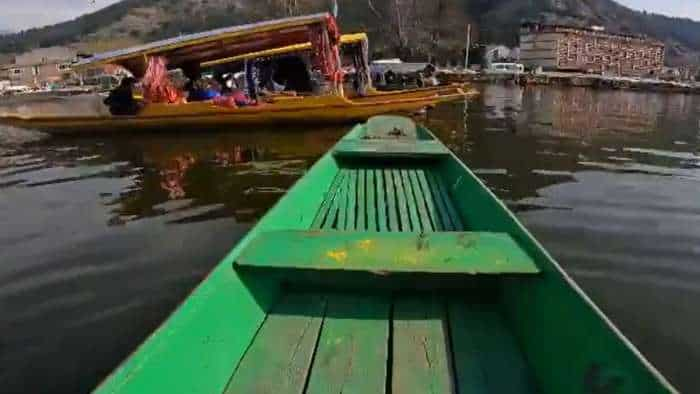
x=466, y=52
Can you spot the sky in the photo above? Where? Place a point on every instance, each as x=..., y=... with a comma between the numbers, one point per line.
x=22, y=14
x=682, y=8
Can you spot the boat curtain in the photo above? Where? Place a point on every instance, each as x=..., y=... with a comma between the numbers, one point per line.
x=325, y=39
x=360, y=60
x=157, y=87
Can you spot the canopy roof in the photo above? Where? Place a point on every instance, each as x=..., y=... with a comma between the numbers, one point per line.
x=345, y=40
x=214, y=44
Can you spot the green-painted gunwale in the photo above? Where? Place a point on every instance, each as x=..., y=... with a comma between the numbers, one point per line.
x=324, y=293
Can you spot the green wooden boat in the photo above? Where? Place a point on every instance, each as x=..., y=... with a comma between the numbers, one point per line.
x=388, y=268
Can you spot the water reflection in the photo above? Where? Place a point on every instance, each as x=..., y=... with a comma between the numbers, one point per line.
x=107, y=234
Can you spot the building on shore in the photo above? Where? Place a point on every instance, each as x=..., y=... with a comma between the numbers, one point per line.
x=589, y=50
x=6, y=62
x=42, y=66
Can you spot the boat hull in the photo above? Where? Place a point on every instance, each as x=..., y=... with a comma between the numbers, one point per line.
x=282, y=111
x=389, y=264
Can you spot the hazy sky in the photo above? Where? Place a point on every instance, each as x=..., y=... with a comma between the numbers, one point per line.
x=682, y=8
x=22, y=14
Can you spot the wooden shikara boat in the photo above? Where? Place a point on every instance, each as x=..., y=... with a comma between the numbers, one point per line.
x=283, y=110
x=236, y=44
x=389, y=267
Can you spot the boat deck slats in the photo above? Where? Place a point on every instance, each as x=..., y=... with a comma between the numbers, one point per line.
x=278, y=361
x=420, y=347
x=485, y=350
x=354, y=343
x=380, y=199
x=441, y=252
x=352, y=350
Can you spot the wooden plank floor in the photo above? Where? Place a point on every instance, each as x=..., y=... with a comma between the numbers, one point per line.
x=376, y=199
x=350, y=343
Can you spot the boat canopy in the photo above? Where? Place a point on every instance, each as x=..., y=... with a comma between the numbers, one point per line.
x=318, y=30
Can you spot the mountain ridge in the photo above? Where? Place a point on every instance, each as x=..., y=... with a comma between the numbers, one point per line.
x=405, y=28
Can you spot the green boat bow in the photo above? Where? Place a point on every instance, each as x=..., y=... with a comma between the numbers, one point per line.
x=388, y=268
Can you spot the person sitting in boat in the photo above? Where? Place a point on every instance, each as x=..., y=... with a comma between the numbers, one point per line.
x=203, y=89
x=225, y=76
x=121, y=100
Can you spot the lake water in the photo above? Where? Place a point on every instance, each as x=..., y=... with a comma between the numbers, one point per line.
x=101, y=237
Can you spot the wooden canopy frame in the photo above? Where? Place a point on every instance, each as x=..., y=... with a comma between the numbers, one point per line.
x=216, y=44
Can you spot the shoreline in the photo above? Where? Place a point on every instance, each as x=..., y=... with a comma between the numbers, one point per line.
x=576, y=80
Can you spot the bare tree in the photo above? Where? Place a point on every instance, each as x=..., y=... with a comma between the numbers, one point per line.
x=372, y=8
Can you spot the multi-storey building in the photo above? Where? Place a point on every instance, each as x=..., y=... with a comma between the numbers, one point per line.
x=566, y=48
x=43, y=65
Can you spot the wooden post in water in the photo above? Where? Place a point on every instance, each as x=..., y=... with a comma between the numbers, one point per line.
x=466, y=53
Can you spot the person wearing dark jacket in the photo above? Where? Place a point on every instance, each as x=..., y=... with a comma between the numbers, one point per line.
x=121, y=99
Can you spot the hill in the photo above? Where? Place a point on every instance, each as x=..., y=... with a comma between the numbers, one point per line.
x=408, y=28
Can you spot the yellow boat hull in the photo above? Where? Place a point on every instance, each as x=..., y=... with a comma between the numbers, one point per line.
x=282, y=110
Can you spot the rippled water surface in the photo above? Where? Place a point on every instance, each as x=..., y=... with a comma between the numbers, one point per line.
x=101, y=237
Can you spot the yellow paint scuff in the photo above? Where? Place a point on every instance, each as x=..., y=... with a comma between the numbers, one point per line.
x=338, y=255
x=365, y=244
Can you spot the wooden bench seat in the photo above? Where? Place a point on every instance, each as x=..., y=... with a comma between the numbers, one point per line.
x=386, y=149
x=444, y=252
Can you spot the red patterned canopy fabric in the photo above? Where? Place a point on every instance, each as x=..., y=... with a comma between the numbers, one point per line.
x=157, y=87
x=325, y=38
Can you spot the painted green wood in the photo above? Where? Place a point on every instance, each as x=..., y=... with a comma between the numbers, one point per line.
x=328, y=201
x=350, y=220
x=371, y=201
x=364, y=149
x=451, y=211
x=343, y=195
x=430, y=202
x=392, y=206
x=390, y=127
x=426, y=222
x=361, y=200
x=447, y=224
x=583, y=352
x=279, y=357
x=382, y=216
x=421, y=359
x=196, y=348
x=334, y=210
x=486, y=356
x=440, y=252
x=416, y=225
x=352, y=351
x=401, y=201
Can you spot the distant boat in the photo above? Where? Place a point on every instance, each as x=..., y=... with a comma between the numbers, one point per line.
x=388, y=268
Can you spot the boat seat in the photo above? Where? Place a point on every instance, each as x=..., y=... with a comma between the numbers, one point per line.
x=388, y=149
x=437, y=252
x=388, y=199
x=390, y=127
x=390, y=137
x=358, y=343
